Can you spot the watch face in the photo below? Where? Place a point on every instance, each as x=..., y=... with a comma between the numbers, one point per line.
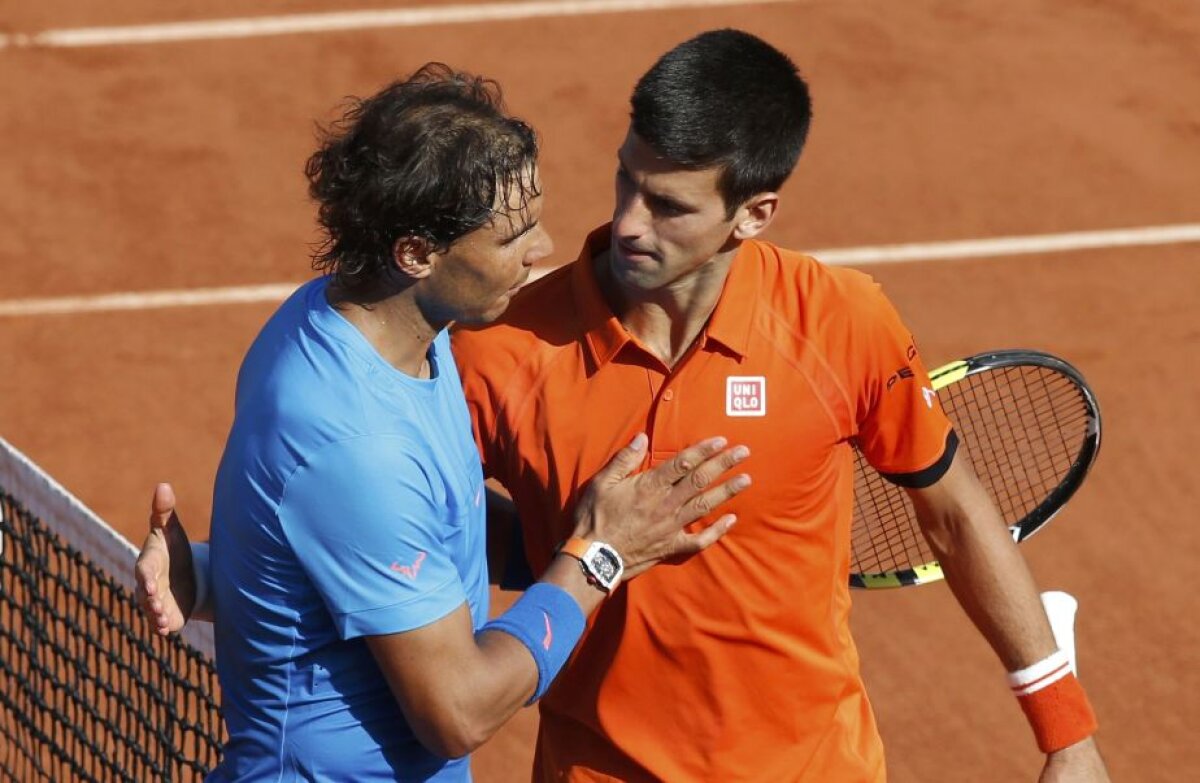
x=605, y=566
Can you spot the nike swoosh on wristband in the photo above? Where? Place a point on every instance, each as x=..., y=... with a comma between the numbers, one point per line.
x=549, y=633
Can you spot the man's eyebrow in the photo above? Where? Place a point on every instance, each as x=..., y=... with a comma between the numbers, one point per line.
x=658, y=198
x=669, y=202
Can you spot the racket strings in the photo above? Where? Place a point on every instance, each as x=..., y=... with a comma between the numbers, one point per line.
x=1023, y=428
x=1032, y=423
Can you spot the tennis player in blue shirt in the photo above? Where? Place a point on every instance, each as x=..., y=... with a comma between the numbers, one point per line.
x=347, y=550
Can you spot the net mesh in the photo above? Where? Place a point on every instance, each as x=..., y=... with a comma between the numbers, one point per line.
x=1022, y=426
x=87, y=691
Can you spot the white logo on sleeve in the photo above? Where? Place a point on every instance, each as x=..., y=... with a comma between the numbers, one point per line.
x=929, y=395
x=746, y=395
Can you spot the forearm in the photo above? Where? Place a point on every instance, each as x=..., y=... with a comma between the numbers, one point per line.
x=993, y=584
x=456, y=690
x=505, y=675
x=494, y=681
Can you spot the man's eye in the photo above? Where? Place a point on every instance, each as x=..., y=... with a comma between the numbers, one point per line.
x=519, y=234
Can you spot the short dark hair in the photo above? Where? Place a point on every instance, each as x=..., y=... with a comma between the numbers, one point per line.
x=424, y=157
x=726, y=98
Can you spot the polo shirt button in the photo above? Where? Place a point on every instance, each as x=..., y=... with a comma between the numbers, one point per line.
x=669, y=395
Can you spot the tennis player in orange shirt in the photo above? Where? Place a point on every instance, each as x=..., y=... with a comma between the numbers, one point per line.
x=675, y=319
x=736, y=663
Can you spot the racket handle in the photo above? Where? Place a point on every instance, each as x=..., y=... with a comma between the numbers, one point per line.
x=1060, y=609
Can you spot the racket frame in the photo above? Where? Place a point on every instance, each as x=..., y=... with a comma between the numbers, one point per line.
x=1053, y=503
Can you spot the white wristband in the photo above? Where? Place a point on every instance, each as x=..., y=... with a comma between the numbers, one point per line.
x=1045, y=672
x=200, y=559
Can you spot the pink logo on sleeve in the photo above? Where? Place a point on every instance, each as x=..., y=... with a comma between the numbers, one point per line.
x=410, y=571
x=549, y=634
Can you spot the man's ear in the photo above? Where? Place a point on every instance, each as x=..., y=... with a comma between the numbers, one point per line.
x=755, y=215
x=413, y=257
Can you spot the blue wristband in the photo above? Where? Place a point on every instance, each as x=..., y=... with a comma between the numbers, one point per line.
x=548, y=621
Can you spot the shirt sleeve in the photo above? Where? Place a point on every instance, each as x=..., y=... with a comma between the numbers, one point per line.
x=902, y=429
x=366, y=524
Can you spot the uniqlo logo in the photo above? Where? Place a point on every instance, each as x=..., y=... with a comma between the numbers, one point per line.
x=746, y=395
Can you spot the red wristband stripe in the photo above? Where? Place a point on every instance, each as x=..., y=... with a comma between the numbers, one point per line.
x=1059, y=713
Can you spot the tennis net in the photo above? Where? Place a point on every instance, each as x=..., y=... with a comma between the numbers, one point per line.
x=87, y=691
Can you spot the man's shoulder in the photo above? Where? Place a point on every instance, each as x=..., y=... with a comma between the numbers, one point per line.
x=795, y=277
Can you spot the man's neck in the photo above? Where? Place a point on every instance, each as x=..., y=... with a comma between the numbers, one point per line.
x=393, y=325
x=668, y=320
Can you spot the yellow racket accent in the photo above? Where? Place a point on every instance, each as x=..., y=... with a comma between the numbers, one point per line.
x=948, y=374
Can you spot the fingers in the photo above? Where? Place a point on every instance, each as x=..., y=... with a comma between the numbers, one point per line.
x=155, y=610
x=151, y=567
x=704, y=503
x=689, y=544
x=162, y=506
x=625, y=461
x=687, y=461
x=705, y=473
x=150, y=564
x=156, y=613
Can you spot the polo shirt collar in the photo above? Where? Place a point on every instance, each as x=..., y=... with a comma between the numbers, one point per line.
x=730, y=324
x=604, y=334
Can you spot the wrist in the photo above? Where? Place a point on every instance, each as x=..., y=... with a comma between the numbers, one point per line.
x=1085, y=747
x=200, y=566
x=1054, y=702
x=599, y=562
x=548, y=621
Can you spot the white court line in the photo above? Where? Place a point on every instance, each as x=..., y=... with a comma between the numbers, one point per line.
x=856, y=256
x=148, y=300
x=1012, y=246
x=249, y=27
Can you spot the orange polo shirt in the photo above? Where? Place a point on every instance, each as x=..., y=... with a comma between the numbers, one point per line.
x=738, y=663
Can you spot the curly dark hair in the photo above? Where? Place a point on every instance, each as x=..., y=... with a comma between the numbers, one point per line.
x=424, y=157
x=726, y=98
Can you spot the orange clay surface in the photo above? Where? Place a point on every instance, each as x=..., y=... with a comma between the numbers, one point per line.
x=178, y=165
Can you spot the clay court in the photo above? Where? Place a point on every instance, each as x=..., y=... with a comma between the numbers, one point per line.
x=176, y=166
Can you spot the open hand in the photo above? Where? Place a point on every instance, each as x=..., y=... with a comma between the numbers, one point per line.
x=643, y=516
x=165, y=586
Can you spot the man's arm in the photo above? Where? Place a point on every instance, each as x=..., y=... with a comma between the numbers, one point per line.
x=171, y=576
x=457, y=688
x=992, y=582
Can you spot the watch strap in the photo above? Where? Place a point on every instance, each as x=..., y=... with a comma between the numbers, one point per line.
x=576, y=547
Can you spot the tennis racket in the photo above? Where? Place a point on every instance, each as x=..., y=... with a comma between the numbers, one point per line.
x=1031, y=427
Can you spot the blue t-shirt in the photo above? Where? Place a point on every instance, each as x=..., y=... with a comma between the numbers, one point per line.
x=348, y=503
